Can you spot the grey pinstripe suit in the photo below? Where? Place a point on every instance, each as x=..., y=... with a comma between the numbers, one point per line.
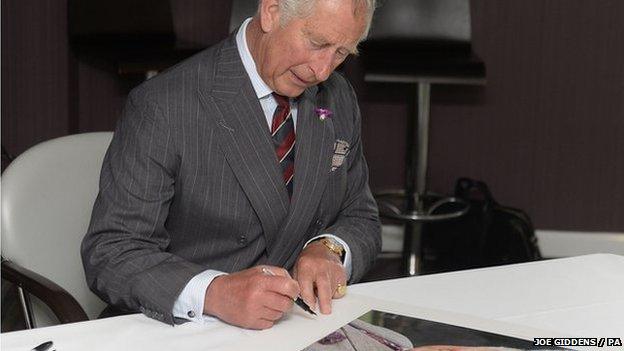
x=191, y=182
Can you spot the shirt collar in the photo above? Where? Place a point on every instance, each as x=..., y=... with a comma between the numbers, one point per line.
x=260, y=87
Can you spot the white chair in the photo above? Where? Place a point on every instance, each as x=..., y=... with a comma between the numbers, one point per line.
x=47, y=197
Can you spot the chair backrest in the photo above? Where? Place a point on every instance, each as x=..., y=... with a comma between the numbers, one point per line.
x=47, y=197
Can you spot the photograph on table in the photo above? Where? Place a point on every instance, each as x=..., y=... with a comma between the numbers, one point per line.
x=378, y=330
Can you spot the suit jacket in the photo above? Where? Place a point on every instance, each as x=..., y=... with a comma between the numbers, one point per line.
x=191, y=182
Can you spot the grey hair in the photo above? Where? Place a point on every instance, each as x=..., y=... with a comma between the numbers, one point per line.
x=290, y=9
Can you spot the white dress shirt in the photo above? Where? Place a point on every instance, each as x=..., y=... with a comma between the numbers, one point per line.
x=190, y=303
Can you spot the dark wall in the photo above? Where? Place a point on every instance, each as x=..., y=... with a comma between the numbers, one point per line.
x=35, y=69
x=549, y=136
x=101, y=92
x=545, y=133
x=47, y=92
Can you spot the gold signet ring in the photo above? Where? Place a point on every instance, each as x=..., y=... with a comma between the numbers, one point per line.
x=341, y=289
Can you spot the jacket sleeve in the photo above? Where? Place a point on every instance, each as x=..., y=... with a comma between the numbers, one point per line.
x=358, y=220
x=124, y=251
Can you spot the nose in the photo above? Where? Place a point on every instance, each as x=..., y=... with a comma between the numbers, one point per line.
x=322, y=65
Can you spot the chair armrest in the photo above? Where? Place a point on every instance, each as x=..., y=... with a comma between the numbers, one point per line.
x=64, y=306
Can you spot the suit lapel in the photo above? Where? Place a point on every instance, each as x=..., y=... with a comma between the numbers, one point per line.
x=315, y=140
x=245, y=138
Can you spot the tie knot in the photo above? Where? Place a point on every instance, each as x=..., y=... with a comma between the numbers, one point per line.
x=282, y=101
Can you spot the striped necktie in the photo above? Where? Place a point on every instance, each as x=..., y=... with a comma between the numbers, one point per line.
x=283, y=134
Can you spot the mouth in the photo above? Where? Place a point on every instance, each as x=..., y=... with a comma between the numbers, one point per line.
x=300, y=81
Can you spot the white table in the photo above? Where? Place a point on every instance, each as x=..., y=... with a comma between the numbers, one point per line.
x=580, y=297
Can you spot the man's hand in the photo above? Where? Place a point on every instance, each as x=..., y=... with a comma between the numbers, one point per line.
x=250, y=298
x=319, y=269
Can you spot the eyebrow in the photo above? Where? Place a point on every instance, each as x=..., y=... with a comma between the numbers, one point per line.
x=352, y=51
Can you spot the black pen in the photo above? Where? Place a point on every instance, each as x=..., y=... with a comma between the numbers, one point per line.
x=43, y=347
x=298, y=301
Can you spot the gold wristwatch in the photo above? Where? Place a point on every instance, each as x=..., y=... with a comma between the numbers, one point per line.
x=334, y=246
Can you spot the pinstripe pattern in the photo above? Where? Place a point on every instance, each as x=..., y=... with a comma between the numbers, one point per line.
x=191, y=181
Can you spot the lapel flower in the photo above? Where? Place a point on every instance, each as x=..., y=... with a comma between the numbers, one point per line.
x=323, y=113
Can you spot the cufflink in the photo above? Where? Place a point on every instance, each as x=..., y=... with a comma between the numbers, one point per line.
x=191, y=314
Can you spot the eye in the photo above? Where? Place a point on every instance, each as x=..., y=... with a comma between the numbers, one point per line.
x=342, y=53
x=315, y=44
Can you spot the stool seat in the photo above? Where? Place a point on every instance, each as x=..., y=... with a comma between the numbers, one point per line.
x=435, y=207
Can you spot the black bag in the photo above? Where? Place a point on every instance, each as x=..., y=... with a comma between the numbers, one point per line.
x=488, y=235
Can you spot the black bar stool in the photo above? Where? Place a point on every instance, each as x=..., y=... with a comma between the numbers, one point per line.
x=420, y=43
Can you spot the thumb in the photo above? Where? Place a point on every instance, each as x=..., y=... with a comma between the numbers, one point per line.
x=276, y=271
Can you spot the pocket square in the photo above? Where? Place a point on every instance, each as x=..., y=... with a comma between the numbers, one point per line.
x=341, y=150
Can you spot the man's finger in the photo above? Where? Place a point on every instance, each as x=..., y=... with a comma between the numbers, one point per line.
x=282, y=286
x=278, y=271
x=341, y=290
x=324, y=292
x=262, y=324
x=277, y=302
x=306, y=286
x=271, y=314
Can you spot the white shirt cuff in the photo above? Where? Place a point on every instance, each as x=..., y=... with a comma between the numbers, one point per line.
x=190, y=302
x=347, y=259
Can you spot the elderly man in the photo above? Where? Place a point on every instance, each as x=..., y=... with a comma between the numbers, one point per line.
x=242, y=160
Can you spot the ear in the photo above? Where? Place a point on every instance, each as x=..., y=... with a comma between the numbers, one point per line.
x=269, y=15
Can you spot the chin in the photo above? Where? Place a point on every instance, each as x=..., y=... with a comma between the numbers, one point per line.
x=290, y=90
